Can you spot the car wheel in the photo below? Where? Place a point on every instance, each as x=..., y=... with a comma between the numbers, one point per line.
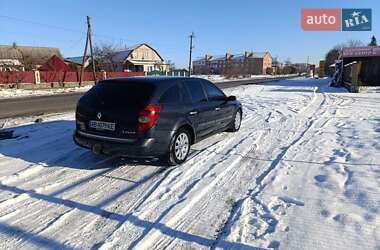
x=236, y=123
x=179, y=147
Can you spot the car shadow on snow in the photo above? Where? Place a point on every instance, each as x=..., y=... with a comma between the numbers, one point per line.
x=51, y=144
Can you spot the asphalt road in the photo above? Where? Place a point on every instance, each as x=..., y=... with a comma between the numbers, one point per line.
x=38, y=105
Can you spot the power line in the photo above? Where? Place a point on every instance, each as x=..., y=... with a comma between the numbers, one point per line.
x=41, y=24
x=82, y=32
x=60, y=27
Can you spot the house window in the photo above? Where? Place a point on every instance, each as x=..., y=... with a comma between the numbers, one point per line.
x=145, y=55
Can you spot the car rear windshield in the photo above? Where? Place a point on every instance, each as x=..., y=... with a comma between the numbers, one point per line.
x=118, y=94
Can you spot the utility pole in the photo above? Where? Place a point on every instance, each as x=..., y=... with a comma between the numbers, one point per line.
x=91, y=48
x=191, y=51
x=88, y=42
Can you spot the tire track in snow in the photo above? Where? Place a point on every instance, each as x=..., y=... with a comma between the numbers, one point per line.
x=212, y=207
x=235, y=213
x=154, y=239
x=141, y=190
x=187, y=179
x=21, y=197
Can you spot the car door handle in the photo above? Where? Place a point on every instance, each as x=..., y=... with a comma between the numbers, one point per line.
x=193, y=113
x=217, y=109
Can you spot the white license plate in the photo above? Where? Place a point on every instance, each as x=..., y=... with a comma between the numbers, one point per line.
x=102, y=125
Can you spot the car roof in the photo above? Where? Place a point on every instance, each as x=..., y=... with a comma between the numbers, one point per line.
x=156, y=80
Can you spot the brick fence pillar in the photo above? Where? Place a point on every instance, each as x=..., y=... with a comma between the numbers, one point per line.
x=37, y=77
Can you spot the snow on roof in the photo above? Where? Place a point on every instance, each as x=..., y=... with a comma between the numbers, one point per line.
x=259, y=54
x=238, y=57
x=217, y=58
x=199, y=59
x=121, y=55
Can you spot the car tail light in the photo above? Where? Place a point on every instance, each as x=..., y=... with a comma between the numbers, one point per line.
x=148, y=117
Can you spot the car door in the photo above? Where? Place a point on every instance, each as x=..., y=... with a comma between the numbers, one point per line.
x=201, y=113
x=171, y=102
x=223, y=111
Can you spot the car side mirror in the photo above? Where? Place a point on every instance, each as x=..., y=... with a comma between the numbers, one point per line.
x=231, y=98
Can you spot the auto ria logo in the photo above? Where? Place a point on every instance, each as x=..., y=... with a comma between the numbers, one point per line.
x=336, y=19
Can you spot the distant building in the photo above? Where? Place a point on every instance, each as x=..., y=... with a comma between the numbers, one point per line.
x=201, y=65
x=20, y=58
x=249, y=63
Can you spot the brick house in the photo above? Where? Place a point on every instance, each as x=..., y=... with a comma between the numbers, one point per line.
x=249, y=63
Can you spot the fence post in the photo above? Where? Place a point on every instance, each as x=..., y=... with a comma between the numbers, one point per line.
x=104, y=75
x=37, y=77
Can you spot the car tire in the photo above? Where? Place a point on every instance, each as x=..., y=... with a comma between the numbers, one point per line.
x=179, y=147
x=236, y=122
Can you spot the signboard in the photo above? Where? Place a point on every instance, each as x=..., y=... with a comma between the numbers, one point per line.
x=336, y=19
x=321, y=69
x=370, y=51
x=356, y=19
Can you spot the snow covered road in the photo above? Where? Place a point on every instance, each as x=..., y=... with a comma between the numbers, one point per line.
x=302, y=173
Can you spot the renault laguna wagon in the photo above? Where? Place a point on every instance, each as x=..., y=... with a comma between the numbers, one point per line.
x=153, y=117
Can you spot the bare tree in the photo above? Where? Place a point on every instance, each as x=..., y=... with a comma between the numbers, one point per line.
x=104, y=56
x=333, y=54
x=288, y=61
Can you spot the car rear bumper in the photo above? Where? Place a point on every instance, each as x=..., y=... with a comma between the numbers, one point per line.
x=143, y=147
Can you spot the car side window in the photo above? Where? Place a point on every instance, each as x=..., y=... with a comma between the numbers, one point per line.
x=171, y=96
x=186, y=98
x=196, y=91
x=213, y=92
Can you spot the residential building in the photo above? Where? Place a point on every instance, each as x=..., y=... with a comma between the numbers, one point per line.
x=139, y=58
x=249, y=63
x=201, y=65
x=21, y=58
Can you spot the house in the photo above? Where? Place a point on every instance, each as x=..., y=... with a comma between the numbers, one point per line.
x=139, y=58
x=76, y=63
x=249, y=63
x=261, y=63
x=55, y=63
x=221, y=64
x=21, y=58
x=201, y=65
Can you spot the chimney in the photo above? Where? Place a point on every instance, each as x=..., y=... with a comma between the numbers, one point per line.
x=229, y=56
x=248, y=54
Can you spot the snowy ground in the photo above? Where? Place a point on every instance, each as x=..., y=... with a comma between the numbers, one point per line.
x=302, y=173
x=14, y=93
x=221, y=78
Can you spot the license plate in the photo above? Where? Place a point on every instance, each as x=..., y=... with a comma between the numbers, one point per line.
x=102, y=125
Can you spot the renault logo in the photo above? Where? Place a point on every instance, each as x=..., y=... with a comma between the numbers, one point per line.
x=99, y=115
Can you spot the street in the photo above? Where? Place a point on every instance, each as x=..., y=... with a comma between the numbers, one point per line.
x=38, y=105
